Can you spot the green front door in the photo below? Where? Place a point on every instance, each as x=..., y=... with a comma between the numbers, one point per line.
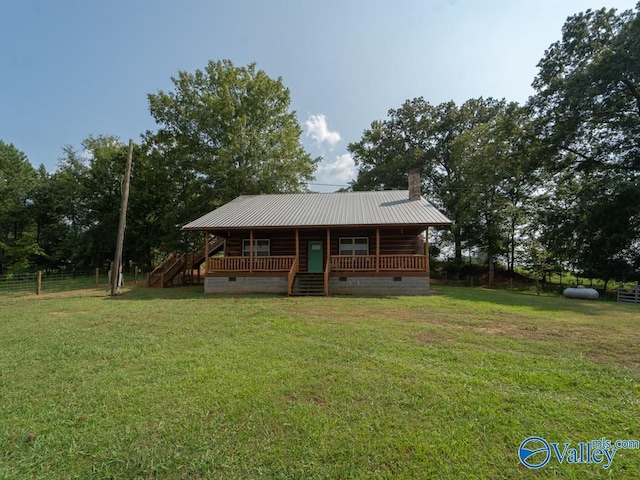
x=314, y=257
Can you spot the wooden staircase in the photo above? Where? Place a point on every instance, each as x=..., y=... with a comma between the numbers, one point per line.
x=308, y=284
x=164, y=275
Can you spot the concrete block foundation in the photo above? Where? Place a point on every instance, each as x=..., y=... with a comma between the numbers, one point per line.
x=358, y=285
x=379, y=285
x=245, y=285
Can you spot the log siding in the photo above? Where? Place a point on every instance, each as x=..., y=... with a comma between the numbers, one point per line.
x=399, y=250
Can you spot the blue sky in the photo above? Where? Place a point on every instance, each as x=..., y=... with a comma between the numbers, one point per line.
x=74, y=68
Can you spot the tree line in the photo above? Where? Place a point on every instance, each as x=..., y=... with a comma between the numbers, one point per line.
x=222, y=131
x=552, y=184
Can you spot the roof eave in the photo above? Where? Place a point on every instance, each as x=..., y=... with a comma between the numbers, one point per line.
x=310, y=227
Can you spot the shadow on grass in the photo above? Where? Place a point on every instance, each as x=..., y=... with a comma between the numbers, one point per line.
x=145, y=293
x=481, y=296
x=197, y=291
x=471, y=294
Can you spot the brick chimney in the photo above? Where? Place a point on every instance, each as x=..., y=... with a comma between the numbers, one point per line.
x=415, y=184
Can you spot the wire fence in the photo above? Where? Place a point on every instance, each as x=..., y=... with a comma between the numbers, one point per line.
x=51, y=282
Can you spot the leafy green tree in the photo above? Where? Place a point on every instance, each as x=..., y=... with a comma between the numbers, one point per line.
x=586, y=223
x=107, y=157
x=226, y=131
x=17, y=181
x=67, y=194
x=153, y=219
x=587, y=109
x=80, y=205
x=100, y=177
x=498, y=175
x=420, y=135
x=76, y=208
x=46, y=211
x=588, y=92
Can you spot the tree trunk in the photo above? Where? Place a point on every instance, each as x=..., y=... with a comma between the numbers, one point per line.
x=490, y=260
x=512, y=259
x=455, y=230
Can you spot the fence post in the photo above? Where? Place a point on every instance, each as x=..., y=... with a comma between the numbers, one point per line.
x=135, y=275
x=97, y=277
x=39, y=282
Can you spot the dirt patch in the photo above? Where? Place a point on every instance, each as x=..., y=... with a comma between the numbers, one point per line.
x=614, y=347
x=432, y=337
x=310, y=398
x=64, y=313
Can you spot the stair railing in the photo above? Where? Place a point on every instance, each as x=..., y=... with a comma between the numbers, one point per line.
x=291, y=276
x=327, y=270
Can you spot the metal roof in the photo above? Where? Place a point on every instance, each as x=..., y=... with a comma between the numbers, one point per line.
x=305, y=210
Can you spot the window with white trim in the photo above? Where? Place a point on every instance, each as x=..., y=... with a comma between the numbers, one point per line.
x=261, y=247
x=354, y=245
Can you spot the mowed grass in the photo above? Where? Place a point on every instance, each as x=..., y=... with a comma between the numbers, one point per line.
x=177, y=384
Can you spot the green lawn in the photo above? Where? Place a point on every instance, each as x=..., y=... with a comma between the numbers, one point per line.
x=177, y=384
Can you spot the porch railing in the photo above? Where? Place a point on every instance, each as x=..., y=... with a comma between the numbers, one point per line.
x=367, y=263
x=244, y=264
x=336, y=263
x=291, y=276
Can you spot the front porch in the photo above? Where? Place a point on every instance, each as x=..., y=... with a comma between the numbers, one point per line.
x=321, y=253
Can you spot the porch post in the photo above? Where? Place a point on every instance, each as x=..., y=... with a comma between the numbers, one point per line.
x=297, y=260
x=206, y=254
x=250, y=251
x=377, y=249
x=328, y=265
x=328, y=246
x=426, y=250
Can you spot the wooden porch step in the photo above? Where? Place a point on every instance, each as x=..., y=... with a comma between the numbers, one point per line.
x=308, y=284
x=175, y=264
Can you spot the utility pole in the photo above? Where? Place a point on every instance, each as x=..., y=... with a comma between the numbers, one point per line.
x=117, y=262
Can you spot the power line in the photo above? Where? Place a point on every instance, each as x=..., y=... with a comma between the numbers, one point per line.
x=328, y=185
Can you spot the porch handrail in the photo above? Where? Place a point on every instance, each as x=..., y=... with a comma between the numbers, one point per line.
x=353, y=263
x=291, y=276
x=282, y=263
x=335, y=263
x=327, y=269
x=367, y=263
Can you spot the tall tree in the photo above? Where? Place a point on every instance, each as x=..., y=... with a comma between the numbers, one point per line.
x=17, y=180
x=64, y=196
x=420, y=135
x=101, y=182
x=225, y=131
x=106, y=158
x=499, y=178
x=48, y=214
x=587, y=108
x=77, y=207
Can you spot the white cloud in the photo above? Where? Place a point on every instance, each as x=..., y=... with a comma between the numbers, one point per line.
x=318, y=129
x=338, y=172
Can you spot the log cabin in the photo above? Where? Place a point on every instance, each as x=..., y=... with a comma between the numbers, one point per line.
x=361, y=243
